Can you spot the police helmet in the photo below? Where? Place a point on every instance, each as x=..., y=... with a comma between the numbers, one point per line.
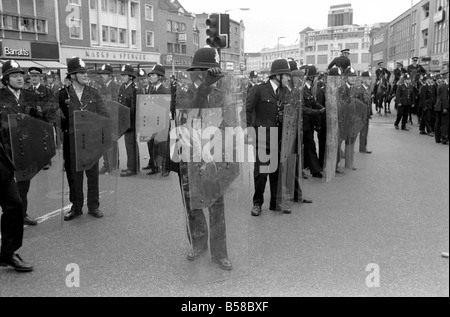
x=349, y=72
x=292, y=64
x=158, y=69
x=280, y=66
x=106, y=70
x=141, y=73
x=253, y=74
x=205, y=58
x=366, y=73
x=311, y=70
x=35, y=70
x=76, y=65
x=335, y=71
x=8, y=68
x=128, y=70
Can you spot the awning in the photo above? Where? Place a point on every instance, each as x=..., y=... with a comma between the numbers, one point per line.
x=28, y=64
x=51, y=65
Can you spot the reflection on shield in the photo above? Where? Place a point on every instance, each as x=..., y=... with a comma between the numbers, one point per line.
x=120, y=119
x=331, y=152
x=152, y=116
x=32, y=143
x=92, y=138
x=288, y=157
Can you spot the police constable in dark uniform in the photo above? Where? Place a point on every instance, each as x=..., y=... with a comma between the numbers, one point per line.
x=415, y=70
x=12, y=218
x=399, y=72
x=127, y=97
x=441, y=110
x=79, y=96
x=15, y=100
x=205, y=71
x=364, y=94
x=427, y=101
x=343, y=62
x=264, y=104
x=311, y=114
x=109, y=91
x=405, y=99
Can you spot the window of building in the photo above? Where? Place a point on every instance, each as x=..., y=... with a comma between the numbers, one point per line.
x=10, y=22
x=426, y=10
x=27, y=25
x=134, y=38
x=196, y=39
x=311, y=59
x=94, y=33
x=113, y=6
x=122, y=7
x=41, y=26
x=183, y=49
x=322, y=59
x=134, y=9
x=93, y=4
x=75, y=29
x=105, y=33
x=177, y=48
x=352, y=46
x=182, y=27
x=149, y=12
x=169, y=47
x=425, y=38
x=365, y=58
x=322, y=48
x=176, y=26
x=169, y=25
x=113, y=35
x=105, y=5
x=149, y=38
x=122, y=36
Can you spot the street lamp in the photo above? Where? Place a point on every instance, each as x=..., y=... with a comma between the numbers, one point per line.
x=278, y=47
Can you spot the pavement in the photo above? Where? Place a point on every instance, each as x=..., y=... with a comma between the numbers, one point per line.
x=379, y=231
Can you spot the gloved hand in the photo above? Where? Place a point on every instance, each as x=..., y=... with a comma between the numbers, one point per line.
x=213, y=75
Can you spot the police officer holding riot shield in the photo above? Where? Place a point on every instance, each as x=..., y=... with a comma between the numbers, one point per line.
x=109, y=92
x=15, y=100
x=205, y=72
x=127, y=97
x=79, y=96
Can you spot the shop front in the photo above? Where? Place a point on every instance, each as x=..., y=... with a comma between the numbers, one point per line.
x=175, y=63
x=96, y=58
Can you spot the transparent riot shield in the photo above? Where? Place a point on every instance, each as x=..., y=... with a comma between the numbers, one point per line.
x=152, y=124
x=38, y=160
x=364, y=94
x=288, y=157
x=333, y=142
x=214, y=189
x=352, y=116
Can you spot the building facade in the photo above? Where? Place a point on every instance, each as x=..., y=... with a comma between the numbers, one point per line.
x=28, y=35
x=268, y=55
x=253, y=62
x=421, y=31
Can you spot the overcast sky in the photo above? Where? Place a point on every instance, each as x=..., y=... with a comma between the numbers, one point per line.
x=268, y=20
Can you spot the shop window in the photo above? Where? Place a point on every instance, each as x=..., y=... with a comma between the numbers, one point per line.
x=149, y=37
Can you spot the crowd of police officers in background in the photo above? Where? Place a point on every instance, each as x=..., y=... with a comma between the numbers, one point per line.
x=46, y=97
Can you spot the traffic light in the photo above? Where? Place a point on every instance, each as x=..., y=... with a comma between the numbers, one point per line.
x=218, y=31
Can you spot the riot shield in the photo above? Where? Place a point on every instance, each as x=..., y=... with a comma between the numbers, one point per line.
x=33, y=149
x=152, y=124
x=209, y=121
x=92, y=137
x=120, y=119
x=288, y=157
x=333, y=142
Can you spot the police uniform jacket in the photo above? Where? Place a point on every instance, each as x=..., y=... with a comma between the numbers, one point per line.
x=46, y=101
x=426, y=97
x=342, y=62
x=362, y=93
x=405, y=95
x=161, y=90
x=127, y=97
x=381, y=72
x=416, y=71
x=10, y=105
x=398, y=73
x=69, y=102
x=442, y=97
x=54, y=90
x=6, y=164
x=311, y=109
x=262, y=105
x=110, y=92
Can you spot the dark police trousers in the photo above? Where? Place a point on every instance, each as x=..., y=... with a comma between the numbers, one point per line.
x=441, y=126
x=198, y=227
x=402, y=115
x=132, y=151
x=12, y=217
x=24, y=188
x=76, y=181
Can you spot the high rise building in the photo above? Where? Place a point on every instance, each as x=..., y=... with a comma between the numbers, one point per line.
x=340, y=15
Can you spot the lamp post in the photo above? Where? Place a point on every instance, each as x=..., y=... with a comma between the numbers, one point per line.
x=278, y=46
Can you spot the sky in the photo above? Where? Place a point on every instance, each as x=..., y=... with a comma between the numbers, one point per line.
x=266, y=21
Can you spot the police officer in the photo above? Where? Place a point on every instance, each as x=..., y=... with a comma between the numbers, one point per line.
x=427, y=102
x=405, y=99
x=264, y=104
x=399, y=71
x=109, y=92
x=321, y=125
x=54, y=87
x=205, y=71
x=12, y=218
x=381, y=72
x=343, y=62
x=15, y=100
x=157, y=76
x=441, y=109
x=79, y=96
x=44, y=94
x=312, y=111
x=415, y=70
x=144, y=83
x=127, y=97
x=253, y=81
x=364, y=94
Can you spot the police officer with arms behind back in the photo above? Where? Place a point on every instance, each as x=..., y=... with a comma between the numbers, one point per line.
x=79, y=96
x=343, y=62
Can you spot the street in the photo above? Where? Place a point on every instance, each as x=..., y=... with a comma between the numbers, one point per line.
x=391, y=214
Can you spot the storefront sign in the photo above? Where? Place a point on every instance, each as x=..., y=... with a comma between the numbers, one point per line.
x=169, y=60
x=16, y=49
